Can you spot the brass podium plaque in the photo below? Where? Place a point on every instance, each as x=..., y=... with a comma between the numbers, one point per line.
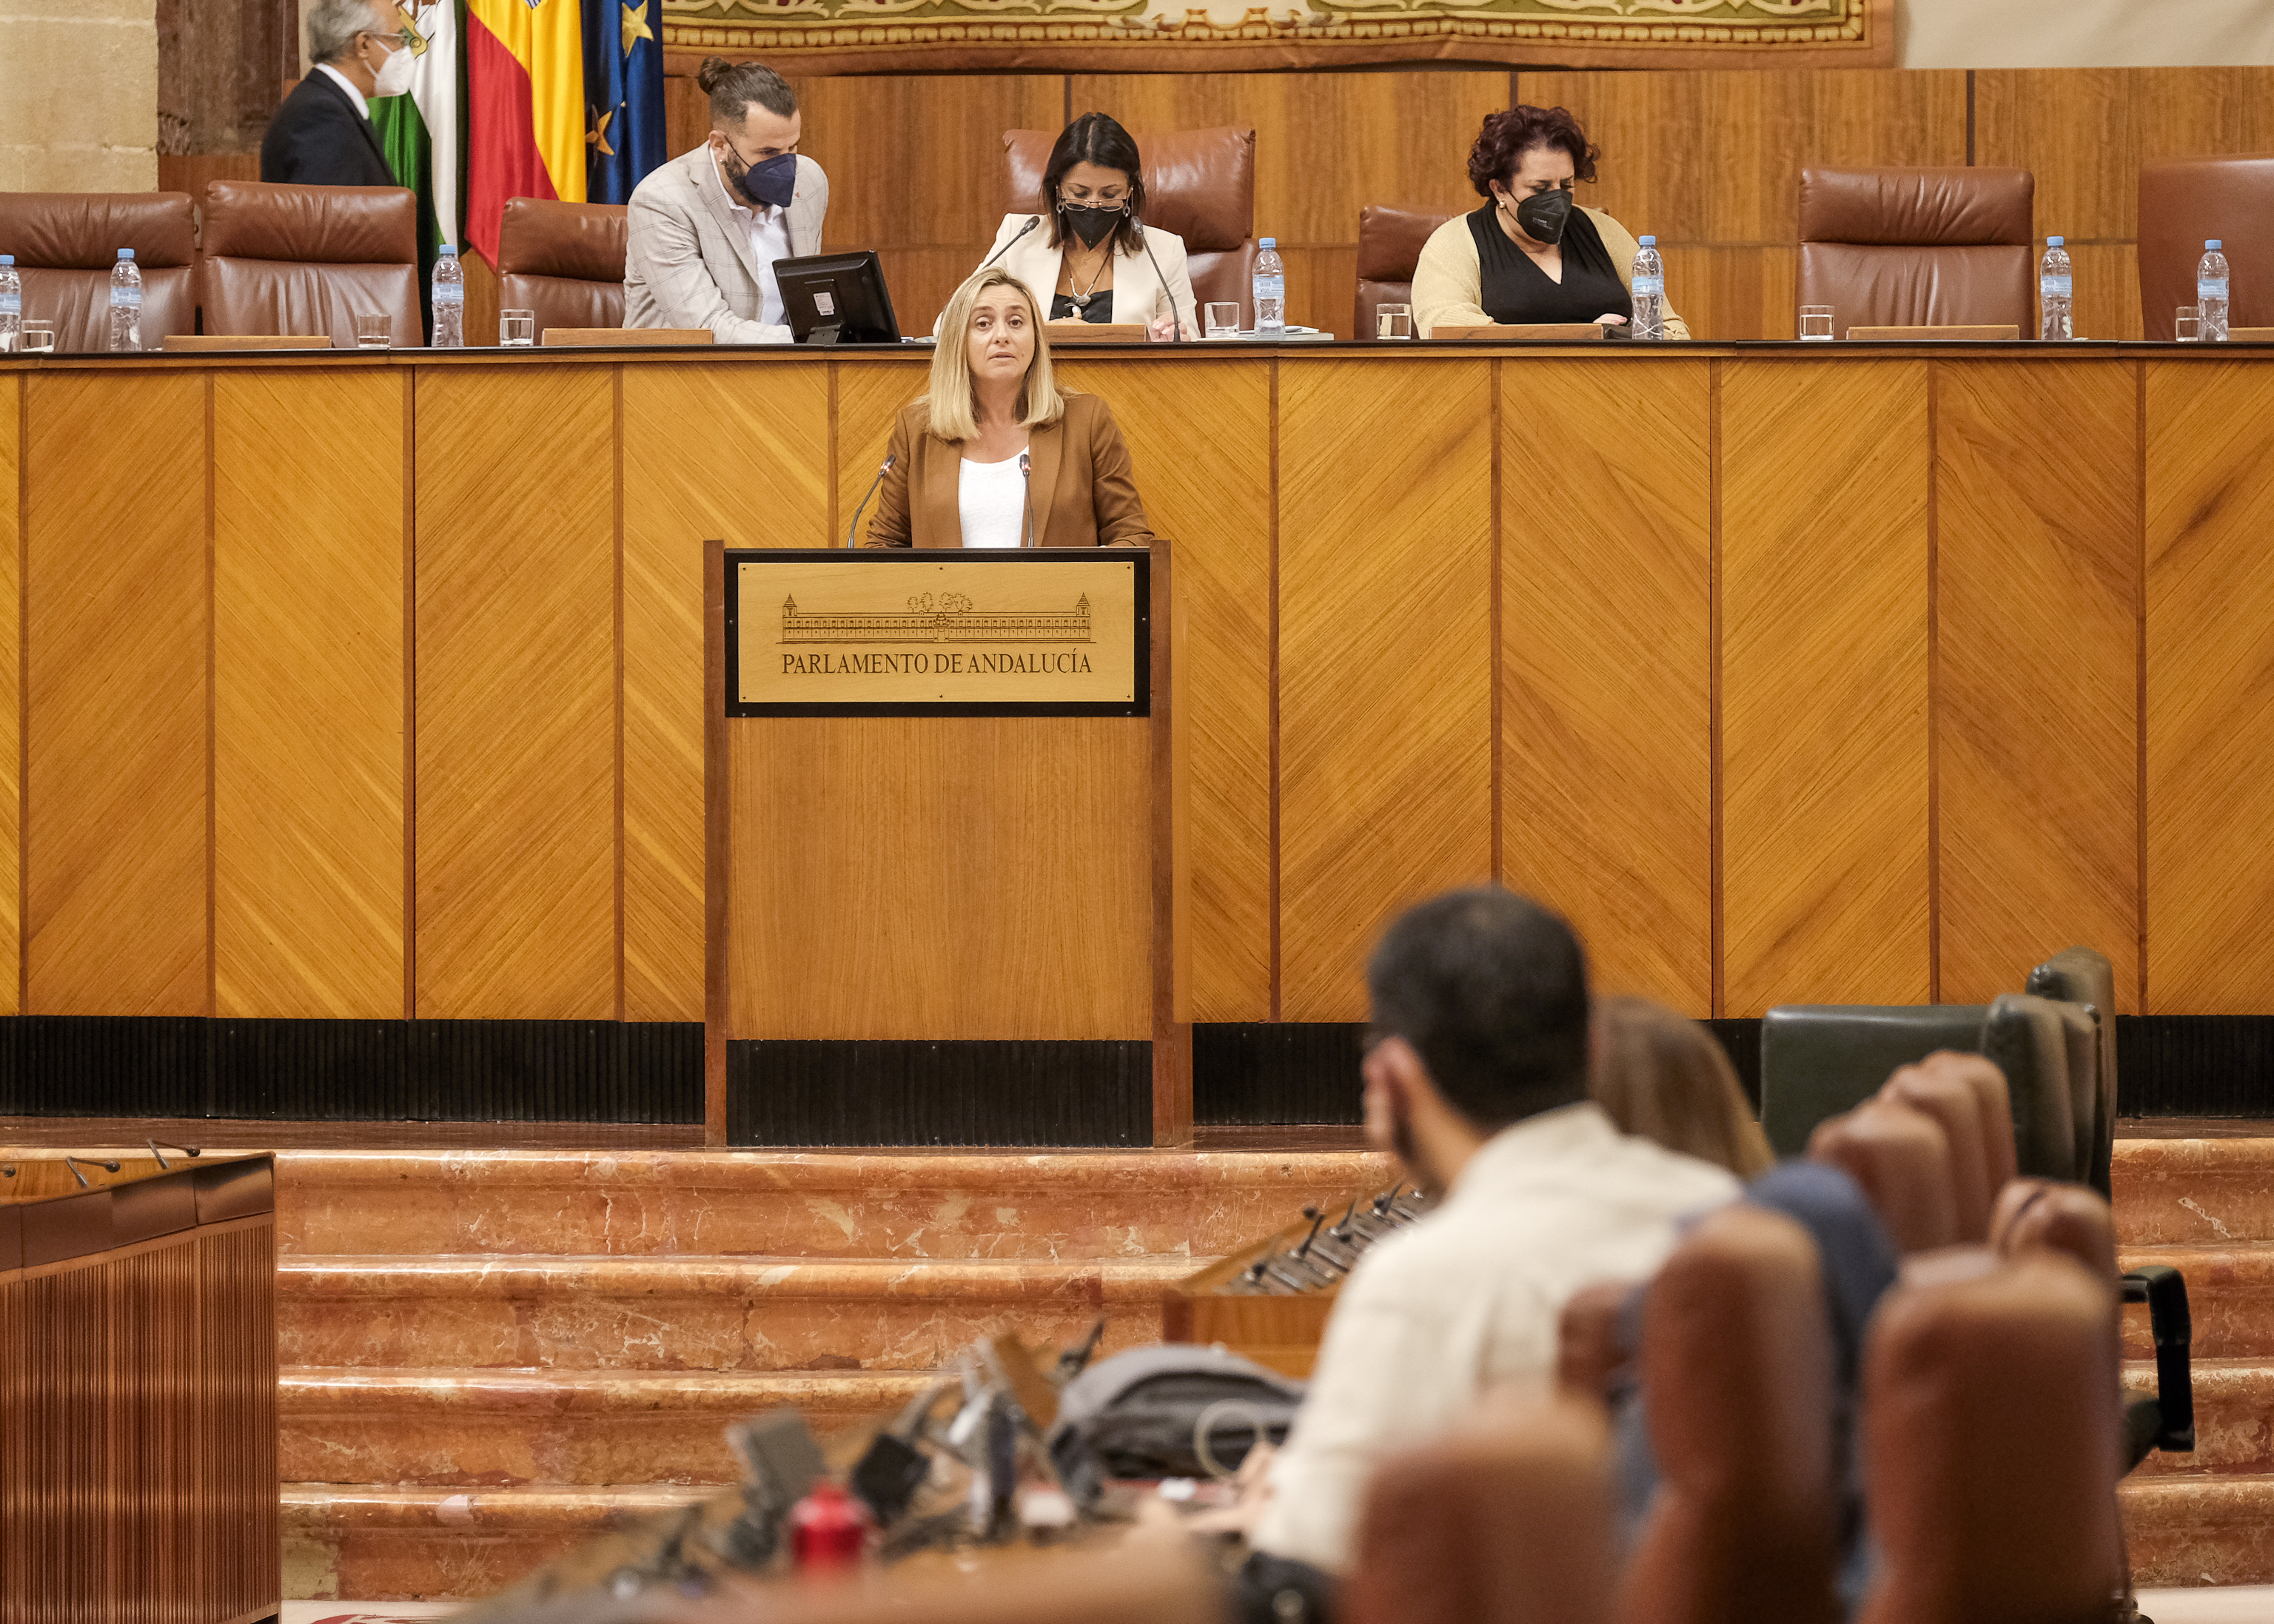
x=1041, y=631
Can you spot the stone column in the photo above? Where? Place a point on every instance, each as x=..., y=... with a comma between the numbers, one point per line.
x=78, y=95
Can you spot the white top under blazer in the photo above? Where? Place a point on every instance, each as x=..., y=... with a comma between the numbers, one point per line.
x=1136, y=286
x=990, y=500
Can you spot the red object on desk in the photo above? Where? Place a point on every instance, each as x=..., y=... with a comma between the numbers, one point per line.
x=828, y=1531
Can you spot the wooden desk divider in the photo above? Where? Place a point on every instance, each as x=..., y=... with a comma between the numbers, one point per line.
x=1991, y=333
x=138, y=1356
x=1094, y=332
x=176, y=342
x=1527, y=332
x=946, y=853
x=597, y=338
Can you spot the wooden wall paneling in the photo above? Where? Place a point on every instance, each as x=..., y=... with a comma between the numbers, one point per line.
x=994, y=873
x=2211, y=733
x=115, y=581
x=1607, y=655
x=2037, y=729
x=516, y=825
x=869, y=396
x=672, y=504
x=309, y=694
x=11, y=693
x=1200, y=433
x=1731, y=294
x=1825, y=684
x=1385, y=658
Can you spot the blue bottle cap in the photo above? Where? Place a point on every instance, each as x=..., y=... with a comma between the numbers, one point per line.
x=449, y=248
x=2211, y=247
x=1647, y=242
x=2055, y=242
x=126, y=253
x=1267, y=242
x=7, y=258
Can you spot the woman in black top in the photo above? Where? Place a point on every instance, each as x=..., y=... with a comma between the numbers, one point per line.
x=1531, y=254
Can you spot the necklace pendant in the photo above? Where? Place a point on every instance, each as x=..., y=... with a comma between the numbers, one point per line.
x=1080, y=300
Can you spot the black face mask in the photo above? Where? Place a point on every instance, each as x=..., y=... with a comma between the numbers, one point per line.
x=1093, y=225
x=770, y=185
x=1542, y=214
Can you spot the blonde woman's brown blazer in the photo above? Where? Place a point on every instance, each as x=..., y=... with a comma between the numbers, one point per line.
x=1081, y=485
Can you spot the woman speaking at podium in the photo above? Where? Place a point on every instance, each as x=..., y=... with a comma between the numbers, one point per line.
x=994, y=456
x=1530, y=254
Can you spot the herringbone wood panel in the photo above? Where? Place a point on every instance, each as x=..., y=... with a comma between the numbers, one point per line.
x=671, y=505
x=2210, y=722
x=309, y=694
x=516, y=781
x=1202, y=444
x=1385, y=658
x=940, y=877
x=2037, y=603
x=869, y=398
x=115, y=584
x=1606, y=535
x=1824, y=683
x=12, y=805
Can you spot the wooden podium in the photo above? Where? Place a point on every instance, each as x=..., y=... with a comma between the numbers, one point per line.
x=946, y=848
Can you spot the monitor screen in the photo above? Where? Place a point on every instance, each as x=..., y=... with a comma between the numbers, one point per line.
x=837, y=298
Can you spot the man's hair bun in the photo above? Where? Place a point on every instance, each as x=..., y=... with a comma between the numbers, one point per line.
x=713, y=70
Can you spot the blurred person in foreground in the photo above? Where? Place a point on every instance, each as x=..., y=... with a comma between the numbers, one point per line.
x=1476, y=1077
x=1666, y=1078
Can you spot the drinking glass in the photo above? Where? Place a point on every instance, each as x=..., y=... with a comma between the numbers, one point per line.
x=516, y=329
x=1815, y=322
x=1393, y=321
x=2187, y=326
x=374, y=332
x=1223, y=322
x=39, y=337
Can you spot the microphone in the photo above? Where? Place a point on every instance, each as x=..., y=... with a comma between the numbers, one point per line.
x=1027, y=494
x=886, y=467
x=1175, y=317
x=1032, y=222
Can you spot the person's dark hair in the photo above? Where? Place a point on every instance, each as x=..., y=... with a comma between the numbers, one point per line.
x=1491, y=990
x=1507, y=135
x=1098, y=138
x=733, y=85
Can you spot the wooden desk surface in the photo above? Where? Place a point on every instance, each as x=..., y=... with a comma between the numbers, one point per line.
x=369, y=685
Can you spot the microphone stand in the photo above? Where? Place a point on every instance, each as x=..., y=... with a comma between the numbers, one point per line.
x=1027, y=496
x=1032, y=222
x=853, y=528
x=1175, y=317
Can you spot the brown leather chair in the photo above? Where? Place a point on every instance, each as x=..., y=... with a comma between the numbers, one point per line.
x=1948, y=247
x=1736, y=1380
x=2029, y=1039
x=309, y=259
x=2183, y=203
x=1990, y=1420
x=1507, y=1521
x=563, y=260
x=1939, y=1086
x=1390, y=238
x=1902, y=1158
x=1199, y=184
x=65, y=244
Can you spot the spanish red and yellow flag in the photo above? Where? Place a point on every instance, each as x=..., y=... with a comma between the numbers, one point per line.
x=525, y=81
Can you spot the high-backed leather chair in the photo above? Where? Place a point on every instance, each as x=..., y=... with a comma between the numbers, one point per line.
x=2185, y=202
x=1820, y=1059
x=1737, y=1379
x=65, y=244
x=1199, y=184
x=563, y=260
x=2079, y=975
x=1389, y=239
x=1990, y=1420
x=309, y=259
x=2029, y=1040
x=1505, y=1522
x=1929, y=247
x=1902, y=1158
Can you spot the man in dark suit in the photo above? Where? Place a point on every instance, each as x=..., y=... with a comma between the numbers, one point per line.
x=321, y=136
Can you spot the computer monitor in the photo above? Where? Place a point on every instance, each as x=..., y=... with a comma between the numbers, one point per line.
x=837, y=298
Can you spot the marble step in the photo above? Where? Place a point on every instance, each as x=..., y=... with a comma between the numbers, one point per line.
x=343, y=1543
x=2186, y=1532
x=470, y=1428
x=2194, y=1193
x=699, y=1313
x=950, y=1205
x=2234, y=1419
x=2230, y=1299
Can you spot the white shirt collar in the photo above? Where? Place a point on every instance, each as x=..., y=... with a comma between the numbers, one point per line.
x=348, y=85
x=1516, y=1151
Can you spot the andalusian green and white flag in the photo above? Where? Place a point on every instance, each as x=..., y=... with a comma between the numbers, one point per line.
x=423, y=131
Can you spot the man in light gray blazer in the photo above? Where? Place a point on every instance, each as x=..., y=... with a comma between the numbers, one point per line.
x=705, y=229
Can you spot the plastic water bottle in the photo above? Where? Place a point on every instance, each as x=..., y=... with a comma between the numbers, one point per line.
x=1270, y=289
x=1649, y=279
x=450, y=299
x=12, y=305
x=125, y=303
x=2210, y=292
x=2055, y=291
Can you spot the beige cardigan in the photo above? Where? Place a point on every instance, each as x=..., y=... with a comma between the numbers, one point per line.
x=1449, y=283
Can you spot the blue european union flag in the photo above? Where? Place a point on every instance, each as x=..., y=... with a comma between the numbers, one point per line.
x=624, y=96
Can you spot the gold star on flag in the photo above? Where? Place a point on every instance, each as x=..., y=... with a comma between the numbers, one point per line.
x=598, y=135
x=636, y=28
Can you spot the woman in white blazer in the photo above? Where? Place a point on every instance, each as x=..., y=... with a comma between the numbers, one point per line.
x=1087, y=256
